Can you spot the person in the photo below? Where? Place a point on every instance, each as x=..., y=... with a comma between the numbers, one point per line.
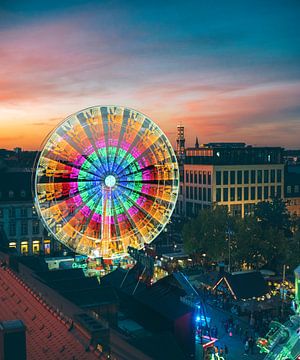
x=251, y=345
x=226, y=350
x=246, y=347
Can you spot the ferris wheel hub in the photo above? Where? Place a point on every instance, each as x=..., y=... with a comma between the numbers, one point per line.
x=110, y=181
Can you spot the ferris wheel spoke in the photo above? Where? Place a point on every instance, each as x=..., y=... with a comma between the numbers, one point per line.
x=90, y=136
x=109, y=178
x=70, y=165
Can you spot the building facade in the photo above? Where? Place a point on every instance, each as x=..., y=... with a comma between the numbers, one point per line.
x=20, y=227
x=230, y=174
x=292, y=189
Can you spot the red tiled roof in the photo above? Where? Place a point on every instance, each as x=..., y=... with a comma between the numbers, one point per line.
x=47, y=335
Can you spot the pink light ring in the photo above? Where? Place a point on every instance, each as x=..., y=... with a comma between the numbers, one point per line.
x=78, y=200
x=147, y=175
x=74, y=173
x=89, y=150
x=100, y=143
x=146, y=189
x=113, y=142
x=96, y=217
x=85, y=210
x=79, y=160
x=135, y=152
x=124, y=145
x=133, y=210
x=73, y=188
x=141, y=200
x=121, y=217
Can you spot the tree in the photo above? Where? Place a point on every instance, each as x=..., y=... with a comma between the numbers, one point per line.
x=207, y=233
x=274, y=214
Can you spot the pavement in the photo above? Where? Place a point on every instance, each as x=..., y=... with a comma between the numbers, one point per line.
x=234, y=343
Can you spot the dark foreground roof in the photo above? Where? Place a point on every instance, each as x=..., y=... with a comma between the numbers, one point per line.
x=246, y=285
x=163, y=297
x=158, y=345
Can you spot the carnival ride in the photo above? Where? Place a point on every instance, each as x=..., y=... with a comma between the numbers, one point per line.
x=107, y=178
x=282, y=342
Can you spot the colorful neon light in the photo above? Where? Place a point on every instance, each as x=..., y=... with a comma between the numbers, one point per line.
x=106, y=179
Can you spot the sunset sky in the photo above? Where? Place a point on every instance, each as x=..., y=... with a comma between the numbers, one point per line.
x=227, y=70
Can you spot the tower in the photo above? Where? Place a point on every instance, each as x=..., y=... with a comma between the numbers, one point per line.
x=180, y=142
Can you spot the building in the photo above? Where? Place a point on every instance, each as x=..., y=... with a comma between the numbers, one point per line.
x=20, y=227
x=180, y=143
x=292, y=189
x=235, y=175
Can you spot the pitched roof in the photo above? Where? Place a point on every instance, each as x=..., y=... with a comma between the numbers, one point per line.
x=47, y=336
x=245, y=285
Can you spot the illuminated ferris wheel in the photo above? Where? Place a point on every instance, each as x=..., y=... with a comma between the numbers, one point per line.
x=107, y=178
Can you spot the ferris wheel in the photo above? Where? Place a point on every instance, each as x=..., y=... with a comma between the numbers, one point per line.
x=107, y=178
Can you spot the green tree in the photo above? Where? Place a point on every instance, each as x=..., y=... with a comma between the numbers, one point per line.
x=207, y=233
x=274, y=214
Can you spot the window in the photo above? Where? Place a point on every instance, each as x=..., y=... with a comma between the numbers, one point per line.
x=225, y=194
x=248, y=209
x=252, y=193
x=239, y=176
x=200, y=177
x=253, y=177
x=180, y=191
x=12, y=212
x=236, y=209
x=272, y=191
x=209, y=178
x=187, y=190
x=195, y=193
x=195, y=177
x=11, y=194
x=246, y=193
x=225, y=177
x=246, y=177
x=12, y=229
x=296, y=189
x=23, y=212
x=24, y=247
x=187, y=178
x=278, y=175
x=35, y=227
x=34, y=214
x=47, y=247
x=12, y=245
x=259, y=192
x=266, y=192
x=232, y=194
x=36, y=246
x=24, y=228
x=209, y=194
x=204, y=177
x=266, y=176
x=278, y=191
x=191, y=177
x=23, y=193
x=218, y=194
x=239, y=193
x=259, y=176
x=218, y=178
x=200, y=194
x=232, y=177
x=204, y=194
x=191, y=192
x=272, y=176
